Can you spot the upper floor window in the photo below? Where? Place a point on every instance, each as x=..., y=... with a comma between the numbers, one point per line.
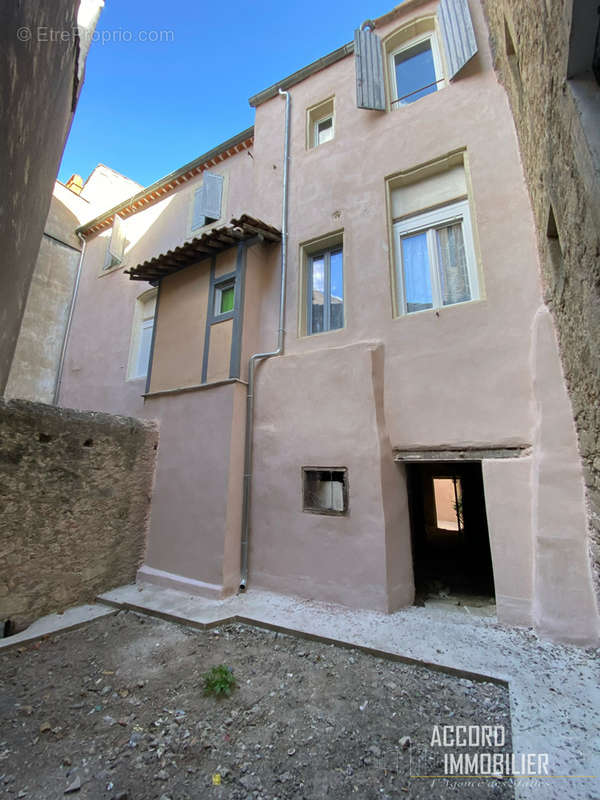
x=325, y=290
x=115, y=248
x=415, y=69
x=415, y=62
x=207, y=201
x=141, y=337
x=320, y=123
x=435, y=259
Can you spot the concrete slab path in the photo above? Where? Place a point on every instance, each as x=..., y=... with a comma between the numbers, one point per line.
x=53, y=623
x=554, y=689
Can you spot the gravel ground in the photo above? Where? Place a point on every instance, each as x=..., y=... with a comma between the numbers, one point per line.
x=116, y=710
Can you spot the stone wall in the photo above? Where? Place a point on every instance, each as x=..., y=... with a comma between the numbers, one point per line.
x=557, y=117
x=75, y=492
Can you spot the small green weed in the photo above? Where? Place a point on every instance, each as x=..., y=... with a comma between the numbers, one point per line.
x=219, y=681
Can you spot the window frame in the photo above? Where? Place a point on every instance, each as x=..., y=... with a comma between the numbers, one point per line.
x=438, y=66
x=328, y=512
x=316, y=124
x=325, y=253
x=220, y=287
x=139, y=322
x=315, y=115
x=428, y=221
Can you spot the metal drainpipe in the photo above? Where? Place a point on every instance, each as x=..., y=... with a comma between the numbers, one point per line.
x=63, y=351
x=254, y=359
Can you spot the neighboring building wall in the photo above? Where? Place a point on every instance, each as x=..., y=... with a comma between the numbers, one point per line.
x=35, y=366
x=556, y=108
x=96, y=367
x=75, y=492
x=37, y=354
x=39, y=85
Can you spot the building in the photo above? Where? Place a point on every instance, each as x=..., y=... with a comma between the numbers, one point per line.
x=407, y=423
x=548, y=60
x=41, y=83
x=36, y=365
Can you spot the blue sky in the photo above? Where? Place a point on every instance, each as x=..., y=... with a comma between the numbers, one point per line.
x=147, y=108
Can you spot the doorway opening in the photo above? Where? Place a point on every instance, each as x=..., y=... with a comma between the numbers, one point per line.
x=450, y=541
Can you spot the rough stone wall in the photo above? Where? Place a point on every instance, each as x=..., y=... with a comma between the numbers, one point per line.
x=530, y=43
x=75, y=492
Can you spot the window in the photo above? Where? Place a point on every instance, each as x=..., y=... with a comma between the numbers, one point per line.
x=325, y=290
x=415, y=65
x=320, y=123
x=141, y=339
x=224, y=298
x=115, y=248
x=415, y=70
x=325, y=490
x=207, y=201
x=435, y=259
x=323, y=130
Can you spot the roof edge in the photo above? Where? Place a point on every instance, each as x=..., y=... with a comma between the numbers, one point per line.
x=302, y=74
x=331, y=58
x=236, y=140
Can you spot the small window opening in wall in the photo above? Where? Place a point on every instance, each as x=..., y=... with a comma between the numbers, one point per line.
x=323, y=130
x=325, y=490
x=555, y=252
x=511, y=52
x=224, y=298
x=44, y=438
x=88, y=443
x=320, y=123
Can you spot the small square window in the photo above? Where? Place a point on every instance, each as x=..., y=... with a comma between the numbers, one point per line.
x=415, y=70
x=325, y=490
x=320, y=124
x=323, y=130
x=224, y=298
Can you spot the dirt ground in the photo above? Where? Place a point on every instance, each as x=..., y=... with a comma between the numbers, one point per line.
x=116, y=710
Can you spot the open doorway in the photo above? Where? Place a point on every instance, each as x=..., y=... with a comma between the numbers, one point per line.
x=451, y=545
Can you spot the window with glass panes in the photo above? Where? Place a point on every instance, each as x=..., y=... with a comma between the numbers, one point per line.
x=435, y=259
x=325, y=291
x=416, y=70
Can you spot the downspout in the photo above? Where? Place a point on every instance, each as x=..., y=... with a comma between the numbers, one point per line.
x=254, y=359
x=63, y=351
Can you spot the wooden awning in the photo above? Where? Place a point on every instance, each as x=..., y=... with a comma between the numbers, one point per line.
x=205, y=246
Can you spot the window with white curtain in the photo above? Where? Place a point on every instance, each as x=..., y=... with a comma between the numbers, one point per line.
x=435, y=259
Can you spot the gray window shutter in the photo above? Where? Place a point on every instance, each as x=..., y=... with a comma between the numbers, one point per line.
x=457, y=32
x=198, y=218
x=116, y=245
x=212, y=192
x=368, y=59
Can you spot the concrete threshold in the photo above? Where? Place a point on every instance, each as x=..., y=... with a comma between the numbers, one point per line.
x=554, y=689
x=56, y=623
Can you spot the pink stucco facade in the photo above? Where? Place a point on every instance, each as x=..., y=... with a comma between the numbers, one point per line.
x=479, y=376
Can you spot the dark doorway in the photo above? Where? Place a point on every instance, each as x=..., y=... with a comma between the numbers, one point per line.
x=451, y=544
